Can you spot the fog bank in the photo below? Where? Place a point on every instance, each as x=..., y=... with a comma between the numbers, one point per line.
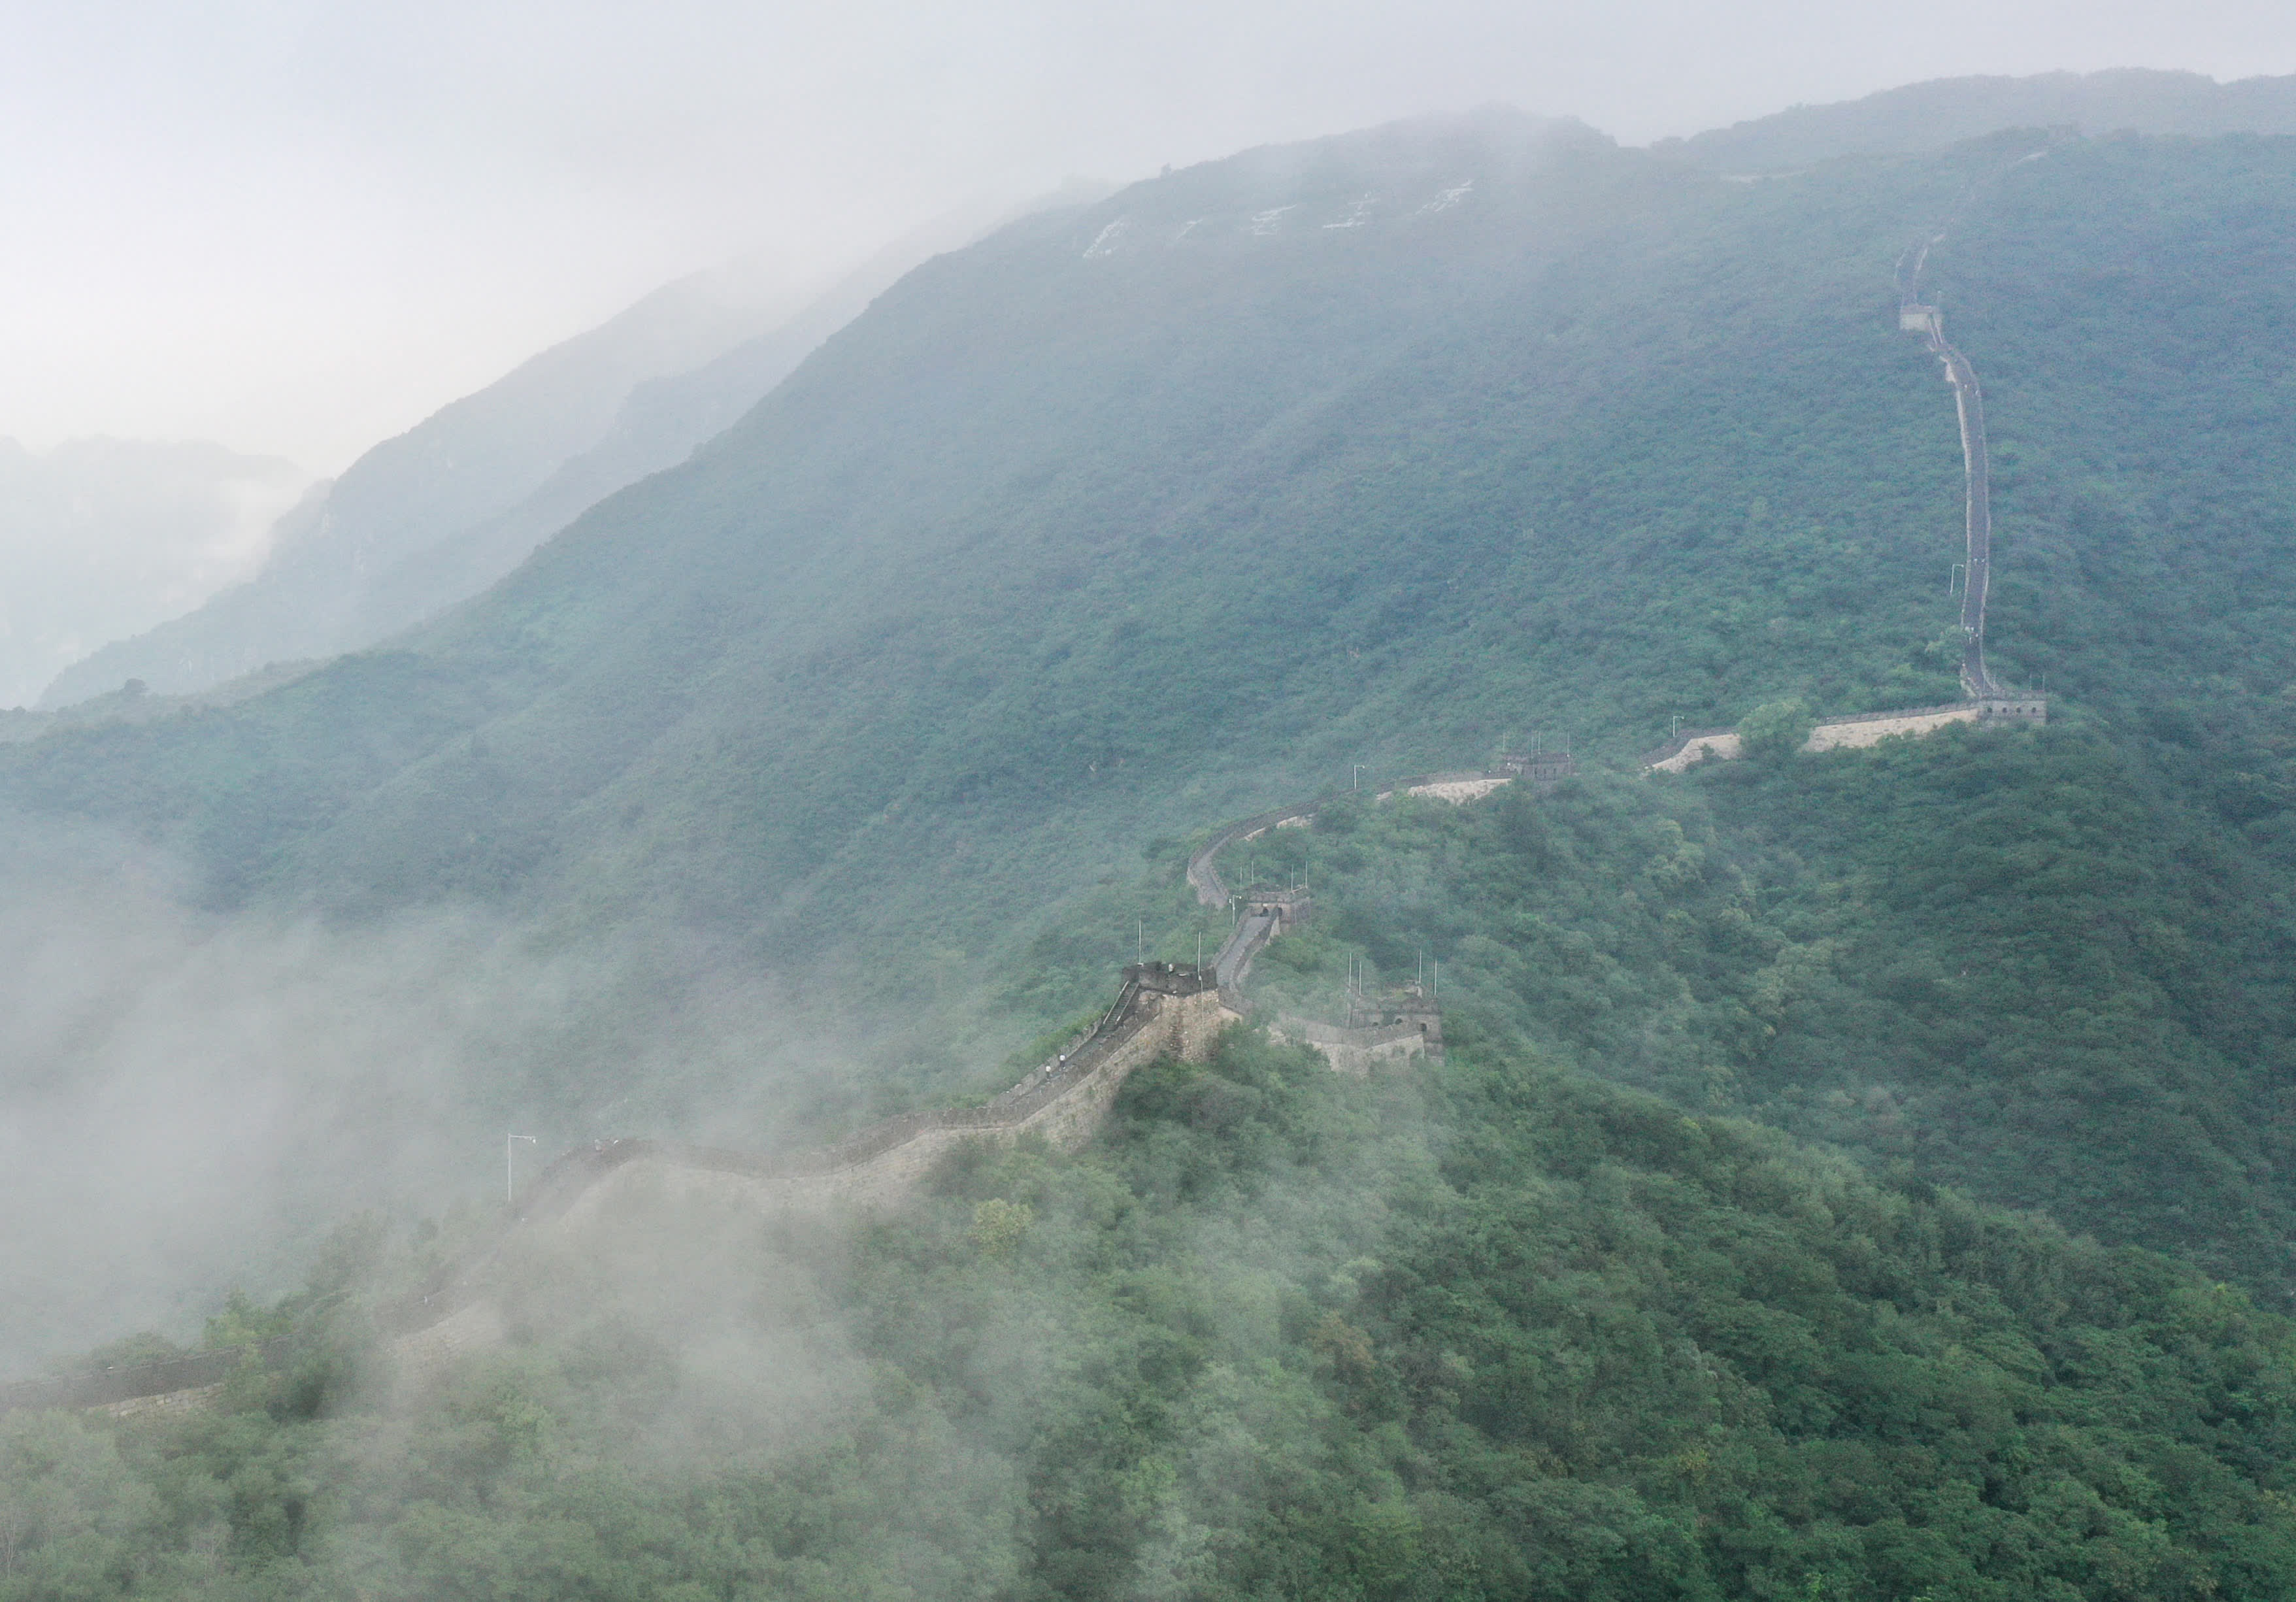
x=188, y=1101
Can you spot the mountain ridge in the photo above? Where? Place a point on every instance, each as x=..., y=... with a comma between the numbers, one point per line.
x=1930, y=116
x=434, y=516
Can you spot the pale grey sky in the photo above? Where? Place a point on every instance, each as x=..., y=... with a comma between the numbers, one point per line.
x=300, y=228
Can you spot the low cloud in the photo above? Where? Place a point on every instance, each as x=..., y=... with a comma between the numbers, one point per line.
x=189, y=1100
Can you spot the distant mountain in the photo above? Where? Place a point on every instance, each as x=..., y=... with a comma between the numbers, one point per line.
x=470, y=463
x=658, y=426
x=436, y=515
x=103, y=537
x=1943, y=111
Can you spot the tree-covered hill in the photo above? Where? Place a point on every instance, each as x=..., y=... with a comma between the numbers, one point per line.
x=1488, y=1330
x=1391, y=449
x=1973, y=960
x=1382, y=449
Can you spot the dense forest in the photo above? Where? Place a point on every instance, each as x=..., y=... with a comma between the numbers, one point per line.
x=1859, y=1174
x=1486, y=1330
x=1977, y=958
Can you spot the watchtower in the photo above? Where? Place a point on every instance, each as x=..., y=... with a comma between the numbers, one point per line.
x=2012, y=709
x=1288, y=908
x=1410, y=1007
x=1925, y=320
x=1541, y=770
x=1171, y=978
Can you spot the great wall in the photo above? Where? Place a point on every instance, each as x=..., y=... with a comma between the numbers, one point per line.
x=1852, y=732
x=1986, y=700
x=1162, y=1009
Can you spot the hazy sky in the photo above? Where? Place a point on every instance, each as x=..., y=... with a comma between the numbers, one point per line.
x=298, y=228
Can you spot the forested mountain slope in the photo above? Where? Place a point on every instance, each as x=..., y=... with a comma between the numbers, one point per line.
x=1484, y=1330
x=660, y=423
x=1978, y=959
x=1135, y=517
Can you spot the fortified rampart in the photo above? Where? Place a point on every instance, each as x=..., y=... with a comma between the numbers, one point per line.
x=1988, y=702
x=1543, y=772
x=1263, y=915
x=1354, y=1051
x=1699, y=745
x=1160, y=1009
x=1916, y=315
x=134, y=1386
x=1163, y=1009
x=1856, y=731
x=1386, y=1029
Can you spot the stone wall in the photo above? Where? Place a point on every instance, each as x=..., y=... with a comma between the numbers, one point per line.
x=194, y=1374
x=1166, y=1011
x=1353, y=1051
x=1185, y=1023
x=1203, y=869
x=174, y=1403
x=423, y=1356
x=1853, y=733
x=1162, y=1009
x=1455, y=791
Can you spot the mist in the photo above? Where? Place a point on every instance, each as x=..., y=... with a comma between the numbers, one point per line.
x=196, y=1100
x=299, y=231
